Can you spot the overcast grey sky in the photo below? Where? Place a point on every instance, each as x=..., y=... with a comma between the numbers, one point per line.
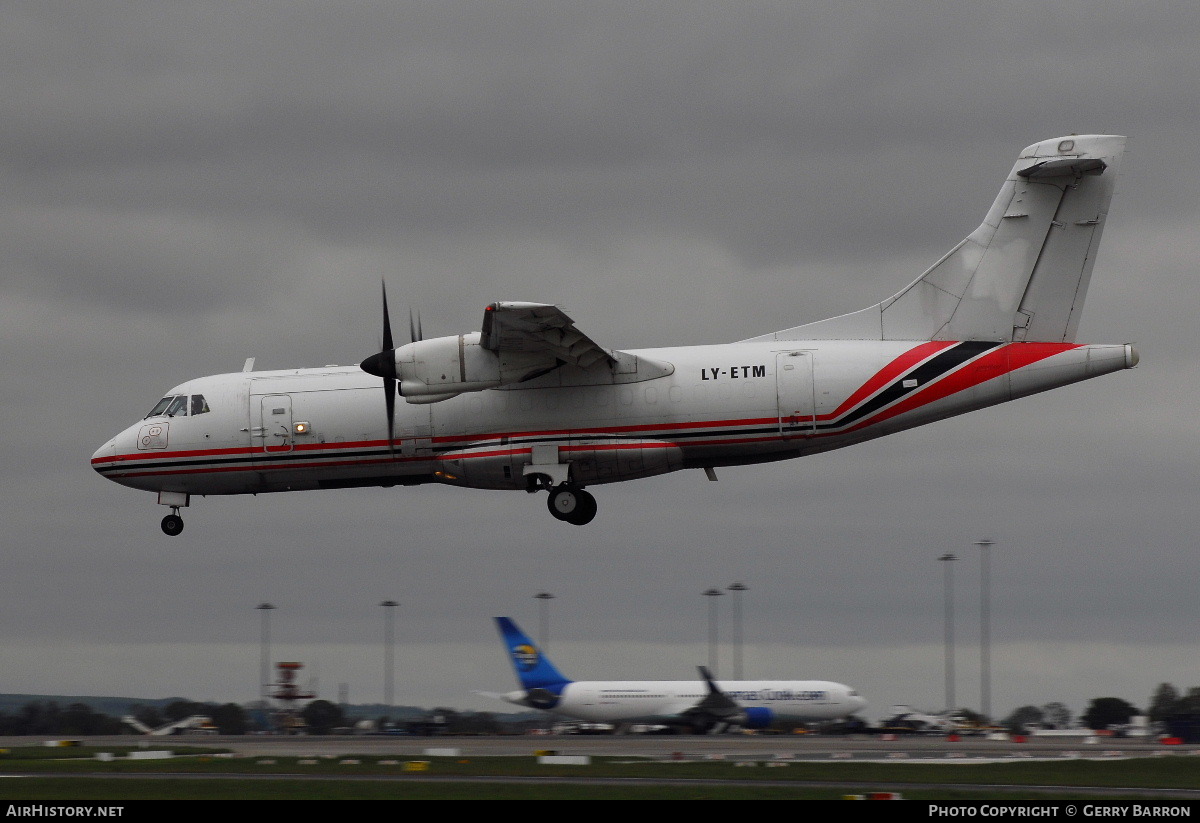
x=188, y=185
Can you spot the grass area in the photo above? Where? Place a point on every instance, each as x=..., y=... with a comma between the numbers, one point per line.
x=49, y=773
x=29, y=753
x=127, y=790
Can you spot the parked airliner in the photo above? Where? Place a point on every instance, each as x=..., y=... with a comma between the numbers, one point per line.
x=531, y=403
x=702, y=705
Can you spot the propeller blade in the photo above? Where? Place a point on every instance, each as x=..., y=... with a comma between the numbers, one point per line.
x=414, y=329
x=383, y=365
x=387, y=323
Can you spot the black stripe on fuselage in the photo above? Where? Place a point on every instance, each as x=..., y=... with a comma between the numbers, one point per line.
x=925, y=373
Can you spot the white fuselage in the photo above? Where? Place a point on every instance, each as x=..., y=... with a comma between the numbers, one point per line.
x=648, y=701
x=716, y=405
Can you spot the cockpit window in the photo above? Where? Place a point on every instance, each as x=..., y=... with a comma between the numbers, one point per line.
x=161, y=407
x=177, y=406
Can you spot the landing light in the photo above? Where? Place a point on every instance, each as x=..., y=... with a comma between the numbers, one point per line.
x=300, y=428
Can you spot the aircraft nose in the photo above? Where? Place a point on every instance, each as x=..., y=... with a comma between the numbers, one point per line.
x=104, y=454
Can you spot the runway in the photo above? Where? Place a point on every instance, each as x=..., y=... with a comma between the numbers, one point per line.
x=730, y=747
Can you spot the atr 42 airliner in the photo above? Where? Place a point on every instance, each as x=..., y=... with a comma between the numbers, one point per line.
x=702, y=706
x=531, y=403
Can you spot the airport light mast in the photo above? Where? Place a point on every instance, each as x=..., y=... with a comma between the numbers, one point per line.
x=948, y=560
x=712, y=595
x=737, y=589
x=264, y=666
x=985, y=629
x=389, y=662
x=544, y=599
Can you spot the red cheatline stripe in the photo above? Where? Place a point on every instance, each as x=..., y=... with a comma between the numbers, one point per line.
x=996, y=363
x=579, y=433
x=890, y=372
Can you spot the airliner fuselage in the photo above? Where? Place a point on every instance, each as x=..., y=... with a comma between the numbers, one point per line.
x=531, y=402
x=254, y=432
x=648, y=701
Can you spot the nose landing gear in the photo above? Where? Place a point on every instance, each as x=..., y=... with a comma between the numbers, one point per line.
x=172, y=524
x=571, y=505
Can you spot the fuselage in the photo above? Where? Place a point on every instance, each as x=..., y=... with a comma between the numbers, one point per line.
x=642, y=701
x=739, y=403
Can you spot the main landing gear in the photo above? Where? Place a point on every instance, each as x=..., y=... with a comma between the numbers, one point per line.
x=172, y=524
x=572, y=505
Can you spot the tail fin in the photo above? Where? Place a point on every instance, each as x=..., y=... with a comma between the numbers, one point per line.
x=534, y=669
x=1022, y=275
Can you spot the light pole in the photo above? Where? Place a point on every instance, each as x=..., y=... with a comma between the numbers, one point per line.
x=985, y=630
x=737, y=589
x=264, y=671
x=712, y=595
x=948, y=560
x=544, y=619
x=389, y=663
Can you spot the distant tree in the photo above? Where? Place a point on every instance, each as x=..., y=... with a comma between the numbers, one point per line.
x=229, y=718
x=475, y=723
x=1189, y=703
x=1163, y=703
x=1056, y=716
x=40, y=718
x=1019, y=721
x=181, y=709
x=1104, y=712
x=322, y=716
x=80, y=719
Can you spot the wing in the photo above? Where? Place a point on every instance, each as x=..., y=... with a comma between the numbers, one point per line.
x=540, y=328
x=716, y=707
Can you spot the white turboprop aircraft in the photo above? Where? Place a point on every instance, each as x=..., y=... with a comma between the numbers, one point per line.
x=531, y=403
x=702, y=705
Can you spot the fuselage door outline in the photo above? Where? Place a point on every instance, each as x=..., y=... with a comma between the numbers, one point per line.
x=794, y=392
x=274, y=422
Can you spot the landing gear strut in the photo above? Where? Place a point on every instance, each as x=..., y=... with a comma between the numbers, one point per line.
x=172, y=524
x=572, y=505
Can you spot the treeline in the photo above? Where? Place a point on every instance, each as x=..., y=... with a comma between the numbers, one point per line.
x=1167, y=703
x=48, y=718
x=80, y=720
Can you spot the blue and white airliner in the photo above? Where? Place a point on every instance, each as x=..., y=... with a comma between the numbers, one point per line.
x=702, y=706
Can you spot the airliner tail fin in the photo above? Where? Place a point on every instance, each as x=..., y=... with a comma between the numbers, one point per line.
x=534, y=669
x=1022, y=275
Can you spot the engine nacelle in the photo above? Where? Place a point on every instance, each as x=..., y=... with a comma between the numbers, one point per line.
x=438, y=369
x=757, y=717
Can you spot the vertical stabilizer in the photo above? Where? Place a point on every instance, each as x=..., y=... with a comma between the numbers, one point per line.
x=534, y=670
x=1022, y=275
